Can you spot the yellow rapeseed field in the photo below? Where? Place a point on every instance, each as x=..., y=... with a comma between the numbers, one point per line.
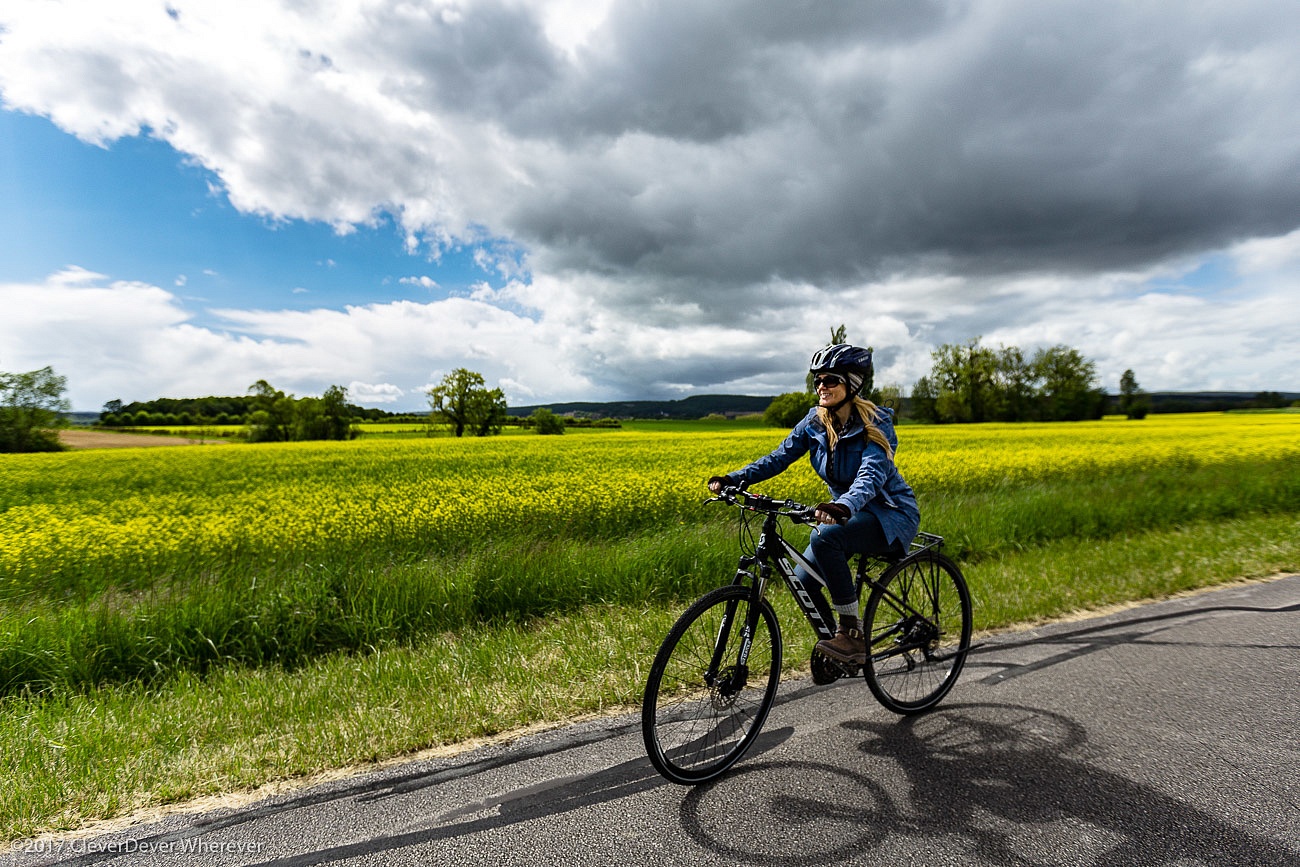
x=126, y=517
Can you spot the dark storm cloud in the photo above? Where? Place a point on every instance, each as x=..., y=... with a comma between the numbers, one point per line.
x=704, y=72
x=730, y=144
x=486, y=59
x=1080, y=138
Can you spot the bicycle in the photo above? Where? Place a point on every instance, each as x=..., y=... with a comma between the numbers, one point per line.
x=715, y=676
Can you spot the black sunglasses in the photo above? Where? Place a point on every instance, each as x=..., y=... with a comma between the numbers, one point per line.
x=828, y=380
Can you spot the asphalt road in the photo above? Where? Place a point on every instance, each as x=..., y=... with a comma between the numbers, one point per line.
x=1162, y=735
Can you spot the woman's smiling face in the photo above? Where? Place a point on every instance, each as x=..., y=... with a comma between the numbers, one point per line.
x=830, y=389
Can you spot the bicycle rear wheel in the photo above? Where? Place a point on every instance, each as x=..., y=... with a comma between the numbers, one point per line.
x=702, y=710
x=918, y=620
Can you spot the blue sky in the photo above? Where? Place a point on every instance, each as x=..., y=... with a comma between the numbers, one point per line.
x=137, y=207
x=607, y=199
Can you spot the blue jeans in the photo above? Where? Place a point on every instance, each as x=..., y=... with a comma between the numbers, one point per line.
x=831, y=545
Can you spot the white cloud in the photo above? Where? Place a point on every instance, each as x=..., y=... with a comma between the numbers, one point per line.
x=118, y=339
x=1275, y=257
x=371, y=394
x=569, y=24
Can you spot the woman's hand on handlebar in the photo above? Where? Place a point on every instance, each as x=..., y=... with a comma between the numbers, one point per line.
x=717, y=483
x=831, y=513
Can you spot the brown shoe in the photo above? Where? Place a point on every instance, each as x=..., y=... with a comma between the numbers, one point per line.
x=848, y=645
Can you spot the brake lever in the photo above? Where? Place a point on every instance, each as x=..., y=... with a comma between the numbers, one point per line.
x=726, y=495
x=804, y=516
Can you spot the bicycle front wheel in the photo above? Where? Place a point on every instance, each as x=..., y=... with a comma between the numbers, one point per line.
x=703, y=705
x=918, y=620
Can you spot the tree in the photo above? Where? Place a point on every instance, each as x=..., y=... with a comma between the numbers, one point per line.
x=1132, y=399
x=280, y=417
x=968, y=382
x=1067, y=385
x=1012, y=386
x=309, y=421
x=463, y=402
x=31, y=408
x=962, y=379
x=324, y=418
x=924, y=400
x=272, y=418
x=337, y=413
x=785, y=410
x=489, y=412
x=546, y=422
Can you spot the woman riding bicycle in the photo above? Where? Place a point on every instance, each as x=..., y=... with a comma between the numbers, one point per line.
x=851, y=444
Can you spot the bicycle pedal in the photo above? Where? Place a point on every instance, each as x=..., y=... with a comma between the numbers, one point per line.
x=848, y=668
x=832, y=669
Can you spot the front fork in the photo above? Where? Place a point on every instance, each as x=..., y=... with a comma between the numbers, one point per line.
x=756, y=580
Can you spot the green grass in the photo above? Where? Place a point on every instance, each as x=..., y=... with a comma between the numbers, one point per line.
x=74, y=756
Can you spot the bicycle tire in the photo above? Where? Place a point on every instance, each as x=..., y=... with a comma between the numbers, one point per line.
x=918, y=622
x=696, y=726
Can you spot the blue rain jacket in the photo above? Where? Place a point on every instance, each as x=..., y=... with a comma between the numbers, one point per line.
x=858, y=473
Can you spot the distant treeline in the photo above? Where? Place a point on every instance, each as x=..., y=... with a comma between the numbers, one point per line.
x=235, y=410
x=731, y=405
x=699, y=406
x=972, y=383
x=1216, y=401
x=210, y=410
x=1191, y=401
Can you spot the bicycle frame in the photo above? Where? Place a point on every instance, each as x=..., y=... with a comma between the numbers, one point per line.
x=773, y=551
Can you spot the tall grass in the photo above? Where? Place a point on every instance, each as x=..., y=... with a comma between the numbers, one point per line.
x=250, y=618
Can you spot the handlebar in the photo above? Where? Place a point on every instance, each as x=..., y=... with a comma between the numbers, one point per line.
x=739, y=497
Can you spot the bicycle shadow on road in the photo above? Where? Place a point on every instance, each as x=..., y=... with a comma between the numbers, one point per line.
x=1091, y=637
x=550, y=798
x=991, y=783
